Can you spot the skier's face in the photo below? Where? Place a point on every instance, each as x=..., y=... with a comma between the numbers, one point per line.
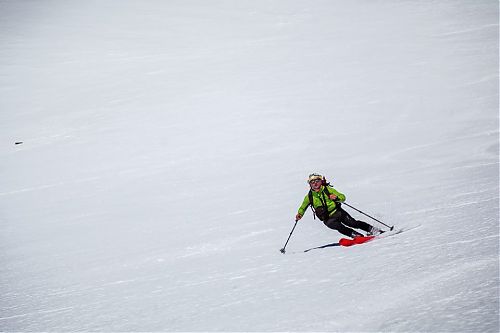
x=315, y=184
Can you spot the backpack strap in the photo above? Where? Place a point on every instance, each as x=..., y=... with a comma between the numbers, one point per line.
x=326, y=190
x=310, y=195
x=321, y=197
x=338, y=204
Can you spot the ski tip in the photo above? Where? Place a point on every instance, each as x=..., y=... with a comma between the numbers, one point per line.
x=355, y=240
x=346, y=242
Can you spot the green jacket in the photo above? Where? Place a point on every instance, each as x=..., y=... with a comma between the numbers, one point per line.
x=317, y=200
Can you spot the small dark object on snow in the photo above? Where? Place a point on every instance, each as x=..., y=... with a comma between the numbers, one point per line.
x=19, y=143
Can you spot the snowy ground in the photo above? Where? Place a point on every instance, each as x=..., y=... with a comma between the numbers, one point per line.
x=166, y=146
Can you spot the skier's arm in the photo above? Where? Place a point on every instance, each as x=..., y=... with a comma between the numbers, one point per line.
x=302, y=208
x=336, y=195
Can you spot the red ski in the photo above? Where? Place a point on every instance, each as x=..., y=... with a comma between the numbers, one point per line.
x=355, y=240
x=364, y=239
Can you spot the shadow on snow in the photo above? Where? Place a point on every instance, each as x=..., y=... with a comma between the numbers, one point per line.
x=322, y=247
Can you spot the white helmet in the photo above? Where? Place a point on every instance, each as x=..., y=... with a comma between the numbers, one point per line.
x=314, y=176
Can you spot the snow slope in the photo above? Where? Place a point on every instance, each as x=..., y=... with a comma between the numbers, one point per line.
x=166, y=146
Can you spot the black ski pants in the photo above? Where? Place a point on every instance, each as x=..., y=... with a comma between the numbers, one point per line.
x=343, y=222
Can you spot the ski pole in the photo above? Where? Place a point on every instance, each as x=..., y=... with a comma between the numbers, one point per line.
x=291, y=232
x=368, y=216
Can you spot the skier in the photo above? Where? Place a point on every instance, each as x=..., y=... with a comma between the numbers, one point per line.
x=326, y=205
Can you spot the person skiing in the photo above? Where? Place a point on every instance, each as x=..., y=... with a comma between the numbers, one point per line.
x=326, y=202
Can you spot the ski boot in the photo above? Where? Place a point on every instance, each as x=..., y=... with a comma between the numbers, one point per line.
x=374, y=231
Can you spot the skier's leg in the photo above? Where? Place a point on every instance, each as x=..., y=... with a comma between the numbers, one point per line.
x=335, y=223
x=351, y=222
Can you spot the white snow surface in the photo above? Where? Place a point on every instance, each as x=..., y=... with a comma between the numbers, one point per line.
x=165, y=147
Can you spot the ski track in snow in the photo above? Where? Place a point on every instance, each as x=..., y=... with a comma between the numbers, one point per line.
x=465, y=31
x=166, y=146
